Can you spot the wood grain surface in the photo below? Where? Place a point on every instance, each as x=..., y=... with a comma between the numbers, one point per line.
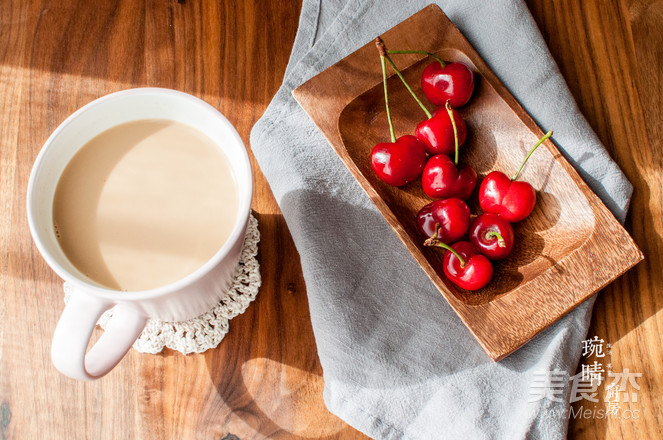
x=537, y=284
x=610, y=53
x=264, y=380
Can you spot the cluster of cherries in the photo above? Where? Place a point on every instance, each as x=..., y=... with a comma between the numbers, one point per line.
x=446, y=221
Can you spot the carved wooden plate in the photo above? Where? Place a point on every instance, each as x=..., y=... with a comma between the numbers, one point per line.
x=567, y=249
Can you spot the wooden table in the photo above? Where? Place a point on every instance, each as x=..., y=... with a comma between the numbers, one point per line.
x=264, y=380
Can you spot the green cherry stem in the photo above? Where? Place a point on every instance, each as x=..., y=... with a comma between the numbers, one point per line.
x=494, y=234
x=407, y=86
x=383, y=54
x=434, y=241
x=546, y=136
x=453, y=124
x=421, y=52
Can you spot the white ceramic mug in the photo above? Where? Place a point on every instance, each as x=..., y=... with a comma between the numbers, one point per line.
x=181, y=300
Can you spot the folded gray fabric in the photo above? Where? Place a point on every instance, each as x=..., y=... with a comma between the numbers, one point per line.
x=397, y=361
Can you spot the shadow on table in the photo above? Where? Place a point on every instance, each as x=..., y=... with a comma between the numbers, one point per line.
x=266, y=370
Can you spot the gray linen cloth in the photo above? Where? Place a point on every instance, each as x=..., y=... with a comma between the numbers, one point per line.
x=397, y=361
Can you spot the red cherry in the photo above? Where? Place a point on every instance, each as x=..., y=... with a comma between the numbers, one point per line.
x=451, y=215
x=472, y=272
x=492, y=235
x=451, y=81
x=440, y=179
x=512, y=200
x=437, y=132
x=462, y=263
x=399, y=162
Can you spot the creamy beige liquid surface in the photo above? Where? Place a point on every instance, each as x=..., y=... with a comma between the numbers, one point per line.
x=144, y=204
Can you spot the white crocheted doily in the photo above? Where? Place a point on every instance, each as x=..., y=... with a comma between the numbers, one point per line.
x=207, y=330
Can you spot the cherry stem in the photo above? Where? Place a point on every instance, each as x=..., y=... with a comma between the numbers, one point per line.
x=434, y=241
x=546, y=136
x=494, y=234
x=450, y=111
x=386, y=99
x=421, y=52
x=384, y=53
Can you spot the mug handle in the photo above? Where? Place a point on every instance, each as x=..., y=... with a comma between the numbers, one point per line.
x=72, y=336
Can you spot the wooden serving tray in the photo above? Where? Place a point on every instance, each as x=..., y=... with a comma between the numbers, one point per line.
x=567, y=249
